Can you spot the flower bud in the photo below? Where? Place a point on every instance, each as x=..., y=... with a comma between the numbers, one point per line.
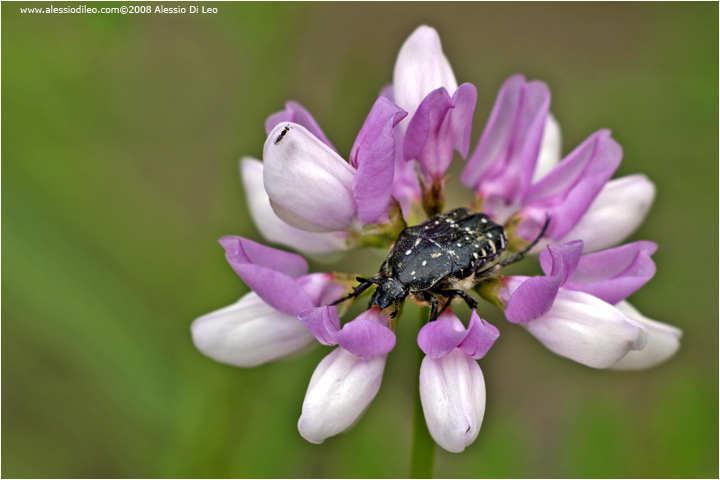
x=249, y=333
x=452, y=392
x=309, y=185
x=340, y=390
x=617, y=211
x=275, y=229
x=587, y=330
x=420, y=68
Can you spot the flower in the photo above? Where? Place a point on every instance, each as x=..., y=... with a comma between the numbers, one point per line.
x=306, y=196
x=347, y=380
x=263, y=325
x=312, y=188
x=578, y=311
x=452, y=387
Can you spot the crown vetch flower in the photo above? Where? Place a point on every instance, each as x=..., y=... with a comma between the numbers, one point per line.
x=574, y=309
x=263, y=325
x=304, y=195
x=502, y=165
x=347, y=380
x=452, y=387
x=273, y=228
x=312, y=188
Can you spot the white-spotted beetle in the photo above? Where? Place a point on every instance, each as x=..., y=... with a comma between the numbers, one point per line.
x=438, y=259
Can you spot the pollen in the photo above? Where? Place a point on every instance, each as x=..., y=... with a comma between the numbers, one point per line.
x=424, y=263
x=408, y=252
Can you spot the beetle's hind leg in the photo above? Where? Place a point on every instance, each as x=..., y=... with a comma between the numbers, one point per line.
x=434, y=305
x=460, y=293
x=357, y=291
x=493, y=269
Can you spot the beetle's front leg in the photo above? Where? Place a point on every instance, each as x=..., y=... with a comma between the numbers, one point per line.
x=357, y=291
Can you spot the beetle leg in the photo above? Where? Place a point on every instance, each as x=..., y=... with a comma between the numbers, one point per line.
x=394, y=314
x=515, y=258
x=460, y=293
x=433, y=309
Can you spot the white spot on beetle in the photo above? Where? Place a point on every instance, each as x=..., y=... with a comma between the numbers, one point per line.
x=424, y=263
x=412, y=273
x=408, y=252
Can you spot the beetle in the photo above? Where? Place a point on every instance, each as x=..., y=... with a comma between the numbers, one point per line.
x=437, y=260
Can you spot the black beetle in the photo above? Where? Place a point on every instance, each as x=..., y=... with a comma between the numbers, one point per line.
x=438, y=259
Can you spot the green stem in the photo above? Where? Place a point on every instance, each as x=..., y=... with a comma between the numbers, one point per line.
x=423, y=445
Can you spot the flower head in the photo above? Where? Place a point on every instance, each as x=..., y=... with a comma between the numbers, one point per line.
x=307, y=196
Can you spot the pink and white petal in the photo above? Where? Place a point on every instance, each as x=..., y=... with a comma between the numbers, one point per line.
x=340, y=390
x=309, y=185
x=321, y=287
x=437, y=339
x=440, y=125
x=613, y=275
x=550, y=149
x=373, y=154
x=502, y=165
x=481, y=336
x=276, y=288
x=239, y=250
x=617, y=211
x=420, y=68
x=587, y=330
x=365, y=338
x=322, y=322
x=566, y=193
x=663, y=341
x=534, y=297
x=276, y=230
x=452, y=392
x=249, y=333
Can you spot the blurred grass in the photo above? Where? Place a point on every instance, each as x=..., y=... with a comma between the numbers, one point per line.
x=121, y=136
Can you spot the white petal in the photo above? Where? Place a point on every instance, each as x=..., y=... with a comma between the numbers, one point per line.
x=618, y=211
x=249, y=333
x=662, y=343
x=420, y=68
x=550, y=149
x=452, y=391
x=587, y=330
x=309, y=185
x=276, y=230
x=340, y=390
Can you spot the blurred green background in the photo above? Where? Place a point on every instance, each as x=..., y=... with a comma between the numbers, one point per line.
x=120, y=141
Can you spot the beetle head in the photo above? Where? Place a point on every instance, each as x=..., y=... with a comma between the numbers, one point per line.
x=391, y=290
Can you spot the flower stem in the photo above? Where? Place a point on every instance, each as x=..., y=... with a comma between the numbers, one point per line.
x=423, y=445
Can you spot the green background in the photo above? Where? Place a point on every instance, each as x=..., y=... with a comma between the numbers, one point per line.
x=120, y=141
